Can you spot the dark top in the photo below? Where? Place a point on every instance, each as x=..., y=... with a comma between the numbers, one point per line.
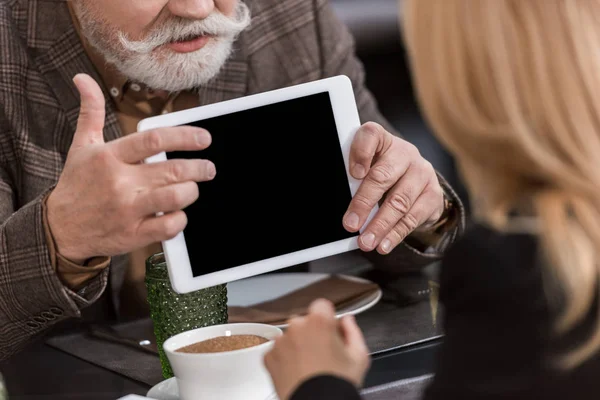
x=497, y=326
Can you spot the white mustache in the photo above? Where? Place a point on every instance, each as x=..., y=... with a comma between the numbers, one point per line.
x=216, y=24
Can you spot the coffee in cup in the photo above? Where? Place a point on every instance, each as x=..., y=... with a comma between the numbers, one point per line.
x=224, y=343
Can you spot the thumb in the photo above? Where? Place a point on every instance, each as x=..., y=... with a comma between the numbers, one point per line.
x=353, y=336
x=91, y=114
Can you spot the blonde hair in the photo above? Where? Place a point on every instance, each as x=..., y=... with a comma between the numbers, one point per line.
x=512, y=88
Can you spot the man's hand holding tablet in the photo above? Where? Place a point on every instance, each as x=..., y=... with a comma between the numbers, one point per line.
x=283, y=184
x=105, y=201
x=391, y=169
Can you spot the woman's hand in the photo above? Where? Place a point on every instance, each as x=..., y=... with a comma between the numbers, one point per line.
x=317, y=344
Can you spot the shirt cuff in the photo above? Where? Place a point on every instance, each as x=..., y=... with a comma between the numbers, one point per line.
x=326, y=387
x=72, y=275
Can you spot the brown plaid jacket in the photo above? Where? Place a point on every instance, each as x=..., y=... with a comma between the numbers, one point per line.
x=289, y=42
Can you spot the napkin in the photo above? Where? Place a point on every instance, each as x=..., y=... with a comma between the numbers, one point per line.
x=340, y=291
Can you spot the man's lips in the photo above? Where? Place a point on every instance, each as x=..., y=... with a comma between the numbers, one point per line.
x=189, y=46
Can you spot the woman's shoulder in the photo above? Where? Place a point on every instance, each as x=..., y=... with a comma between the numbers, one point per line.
x=483, y=240
x=484, y=244
x=488, y=263
x=498, y=322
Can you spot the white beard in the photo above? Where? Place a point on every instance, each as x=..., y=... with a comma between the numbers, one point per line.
x=177, y=71
x=163, y=69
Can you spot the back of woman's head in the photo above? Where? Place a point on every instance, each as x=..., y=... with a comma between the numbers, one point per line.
x=512, y=88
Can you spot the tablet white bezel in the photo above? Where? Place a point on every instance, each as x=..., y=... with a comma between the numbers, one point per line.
x=347, y=121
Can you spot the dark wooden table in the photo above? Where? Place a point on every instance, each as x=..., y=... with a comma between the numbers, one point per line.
x=400, y=331
x=43, y=373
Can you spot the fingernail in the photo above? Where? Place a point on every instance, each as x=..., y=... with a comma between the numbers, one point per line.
x=358, y=171
x=203, y=138
x=386, y=246
x=352, y=220
x=368, y=240
x=211, y=171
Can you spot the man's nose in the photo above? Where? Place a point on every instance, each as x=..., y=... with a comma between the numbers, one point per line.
x=191, y=9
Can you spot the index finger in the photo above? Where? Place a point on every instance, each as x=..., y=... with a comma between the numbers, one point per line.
x=383, y=176
x=141, y=145
x=370, y=139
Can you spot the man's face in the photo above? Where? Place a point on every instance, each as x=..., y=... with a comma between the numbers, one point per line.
x=167, y=44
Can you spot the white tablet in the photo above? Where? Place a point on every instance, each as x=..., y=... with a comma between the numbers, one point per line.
x=282, y=185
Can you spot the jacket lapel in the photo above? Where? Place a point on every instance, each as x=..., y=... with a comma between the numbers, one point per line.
x=65, y=59
x=60, y=56
x=231, y=82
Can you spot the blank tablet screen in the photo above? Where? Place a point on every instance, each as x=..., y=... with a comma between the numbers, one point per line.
x=281, y=185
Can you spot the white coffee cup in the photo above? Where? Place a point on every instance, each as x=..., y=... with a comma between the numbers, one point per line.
x=230, y=375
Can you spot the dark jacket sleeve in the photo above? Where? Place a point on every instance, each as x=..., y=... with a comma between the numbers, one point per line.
x=326, y=388
x=338, y=57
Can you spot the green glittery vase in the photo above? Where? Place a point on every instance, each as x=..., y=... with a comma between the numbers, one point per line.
x=173, y=313
x=3, y=394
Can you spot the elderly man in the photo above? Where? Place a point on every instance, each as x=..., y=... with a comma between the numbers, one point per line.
x=75, y=202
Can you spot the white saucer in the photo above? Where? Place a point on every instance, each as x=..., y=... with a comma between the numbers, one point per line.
x=250, y=291
x=168, y=390
x=165, y=390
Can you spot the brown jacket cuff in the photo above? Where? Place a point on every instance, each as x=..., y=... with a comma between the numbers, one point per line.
x=440, y=235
